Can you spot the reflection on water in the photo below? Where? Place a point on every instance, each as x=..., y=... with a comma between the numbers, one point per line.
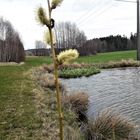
x=116, y=89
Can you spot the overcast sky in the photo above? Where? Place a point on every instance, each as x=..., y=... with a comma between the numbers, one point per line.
x=97, y=18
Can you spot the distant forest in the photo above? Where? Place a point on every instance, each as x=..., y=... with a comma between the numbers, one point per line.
x=110, y=44
x=93, y=46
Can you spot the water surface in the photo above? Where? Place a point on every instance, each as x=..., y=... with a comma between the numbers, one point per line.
x=115, y=89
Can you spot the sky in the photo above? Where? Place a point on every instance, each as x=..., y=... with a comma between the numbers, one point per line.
x=97, y=18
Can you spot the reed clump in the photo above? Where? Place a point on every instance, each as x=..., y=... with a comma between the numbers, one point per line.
x=77, y=102
x=109, y=126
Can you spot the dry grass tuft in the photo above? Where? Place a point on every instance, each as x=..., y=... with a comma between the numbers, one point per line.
x=71, y=133
x=78, y=102
x=47, y=81
x=109, y=126
x=49, y=68
x=11, y=64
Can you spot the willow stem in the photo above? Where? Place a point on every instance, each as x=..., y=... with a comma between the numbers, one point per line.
x=113, y=131
x=57, y=89
x=58, y=94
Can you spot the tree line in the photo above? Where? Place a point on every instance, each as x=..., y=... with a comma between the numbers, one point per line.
x=11, y=46
x=112, y=43
x=69, y=36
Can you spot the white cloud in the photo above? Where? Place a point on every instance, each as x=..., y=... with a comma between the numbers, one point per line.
x=96, y=18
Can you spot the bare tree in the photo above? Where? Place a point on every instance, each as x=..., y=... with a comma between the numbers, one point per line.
x=11, y=47
x=69, y=36
x=40, y=45
x=40, y=49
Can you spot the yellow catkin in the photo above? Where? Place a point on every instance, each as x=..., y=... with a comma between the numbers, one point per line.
x=67, y=56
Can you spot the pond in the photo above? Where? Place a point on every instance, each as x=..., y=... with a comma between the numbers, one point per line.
x=115, y=89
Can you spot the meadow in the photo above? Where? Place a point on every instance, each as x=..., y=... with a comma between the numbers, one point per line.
x=18, y=112
x=106, y=57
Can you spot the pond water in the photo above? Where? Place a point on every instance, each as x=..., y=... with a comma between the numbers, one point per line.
x=115, y=89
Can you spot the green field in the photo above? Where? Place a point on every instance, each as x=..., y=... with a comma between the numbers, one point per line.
x=18, y=118
x=106, y=57
x=99, y=58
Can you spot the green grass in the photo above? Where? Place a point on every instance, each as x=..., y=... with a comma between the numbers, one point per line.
x=18, y=118
x=36, y=61
x=106, y=57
